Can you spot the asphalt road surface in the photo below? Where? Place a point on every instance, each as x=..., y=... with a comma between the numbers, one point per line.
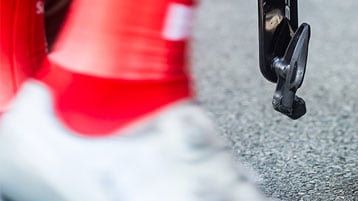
x=314, y=158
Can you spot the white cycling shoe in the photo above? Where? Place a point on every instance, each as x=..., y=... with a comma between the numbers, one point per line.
x=174, y=156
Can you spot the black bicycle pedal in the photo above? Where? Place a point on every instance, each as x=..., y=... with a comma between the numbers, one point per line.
x=283, y=54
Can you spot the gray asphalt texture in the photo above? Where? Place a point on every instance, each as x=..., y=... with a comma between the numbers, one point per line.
x=314, y=158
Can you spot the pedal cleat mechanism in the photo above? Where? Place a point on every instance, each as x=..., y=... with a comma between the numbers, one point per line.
x=283, y=53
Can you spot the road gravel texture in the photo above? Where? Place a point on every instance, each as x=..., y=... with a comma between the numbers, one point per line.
x=314, y=158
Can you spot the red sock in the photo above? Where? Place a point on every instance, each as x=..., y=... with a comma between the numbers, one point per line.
x=117, y=61
x=22, y=44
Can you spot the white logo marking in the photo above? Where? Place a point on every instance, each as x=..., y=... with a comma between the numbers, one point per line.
x=40, y=7
x=178, y=23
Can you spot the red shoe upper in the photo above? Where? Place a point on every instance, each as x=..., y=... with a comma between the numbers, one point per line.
x=118, y=61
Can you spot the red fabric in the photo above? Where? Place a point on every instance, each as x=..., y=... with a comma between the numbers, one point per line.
x=96, y=107
x=121, y=39
x=112, y=66
x=22, y=44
